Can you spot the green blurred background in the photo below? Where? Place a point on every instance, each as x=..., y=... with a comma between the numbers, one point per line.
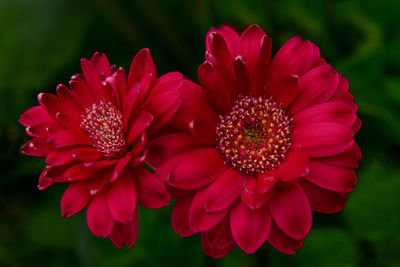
x=41, y=43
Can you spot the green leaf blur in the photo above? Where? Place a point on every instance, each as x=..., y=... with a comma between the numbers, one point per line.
x=41, y=43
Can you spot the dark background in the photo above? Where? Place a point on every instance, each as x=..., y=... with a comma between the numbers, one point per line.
x=41, y=43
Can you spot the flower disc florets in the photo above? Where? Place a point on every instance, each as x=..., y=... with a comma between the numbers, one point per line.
x=255, y=136
x=103, y=123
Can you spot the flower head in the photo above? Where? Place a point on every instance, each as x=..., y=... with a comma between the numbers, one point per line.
x=263, y=143
x=94, y=137
x=255, y=136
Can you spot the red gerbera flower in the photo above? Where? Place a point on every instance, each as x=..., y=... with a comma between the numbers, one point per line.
x=94, y=137
x=265, y=144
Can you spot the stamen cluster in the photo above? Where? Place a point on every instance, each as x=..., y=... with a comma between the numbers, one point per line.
x=255, y=136
x=104, y=125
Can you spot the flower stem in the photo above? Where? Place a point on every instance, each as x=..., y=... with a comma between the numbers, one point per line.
x=148, y=167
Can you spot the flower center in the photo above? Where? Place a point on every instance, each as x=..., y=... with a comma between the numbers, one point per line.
x=255, y=136
x=103, y=123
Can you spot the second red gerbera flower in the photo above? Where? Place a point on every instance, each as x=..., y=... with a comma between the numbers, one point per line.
x=267, y=142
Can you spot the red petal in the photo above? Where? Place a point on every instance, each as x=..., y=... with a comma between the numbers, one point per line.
x=294, y=166
x=332, y=178
x=266, y=181
x=326, y=112
x=250, y=41
x=162, y=106
x=33, y=116
x=92, y=78
x=343, y=95
x=100, y=61
x=255, y=47
x=37, y=147
x=165, y=87
x=75, y=198
x=139, y=124
x=221, y=235
x=204, y=132
x=198, y=169
x=80, y=91
x=230, y=36
x=99, y=164
x=212, y=251
x=121, y=198
x=168, y=146
x=139, y=159
x=44, y=182
x=63, y=110
x=117, y=81
x=129, y=104
x=141, y=66
x=250, y=228
x=168, y=82
x=285, y=91
x=98, y=218
x=194, y=106
x=180, y=216
x=218, y=241
x=164, y=172
x=125, y=234
x=44, y=129
x=148, y=82
x=119, y=168
x=316, y=86
x=56, y=173
x=139, y=146
x=322, y=139
x=69, y=138
x=77, y=172
x=67, y=100
x=86, y=154
x=224, y=62
x=150, y=191
x=244, y=82
x=347, y=159
x=317, y=60
x=215, y=88
x=59, y=157
x=98, y=181
x=356, y=127
x=322, y=200
x=252, y=197
x=263, y=63
x=291, y=210
x=281, y=242
x=293, y=58
x=224, y=190
x=201, y=220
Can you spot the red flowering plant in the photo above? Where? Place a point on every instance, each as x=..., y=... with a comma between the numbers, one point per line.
x=94, y=137
x=264, y=142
